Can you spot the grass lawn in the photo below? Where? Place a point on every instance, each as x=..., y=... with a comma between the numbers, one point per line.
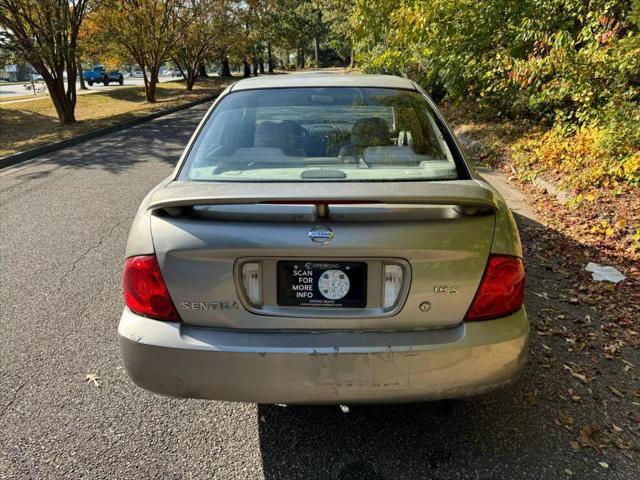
x=25, y=125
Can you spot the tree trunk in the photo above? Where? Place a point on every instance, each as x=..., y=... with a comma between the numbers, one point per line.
x=190, y=78
x=202, y=71
x=64, y=101
x=150, y=83
x=190, y=75
x=150, y=92
x=302, y=58
x=226, y=71
x=247, y=68
x=255, y=67
x=316, y=48
x=269, y=58
x=72, y=95
x=261, y=65
x=64, y=105
x=83, y=86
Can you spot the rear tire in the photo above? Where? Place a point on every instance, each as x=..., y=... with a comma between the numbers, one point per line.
x=105, y=81
x=121, y=81
x=90, y=82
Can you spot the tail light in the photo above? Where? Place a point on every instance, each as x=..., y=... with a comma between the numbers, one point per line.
x=501, y=291
x=145, y=292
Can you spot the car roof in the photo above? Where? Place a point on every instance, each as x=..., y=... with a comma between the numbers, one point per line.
x=323, y=79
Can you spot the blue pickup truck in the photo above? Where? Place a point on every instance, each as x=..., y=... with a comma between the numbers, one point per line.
x=100, y=75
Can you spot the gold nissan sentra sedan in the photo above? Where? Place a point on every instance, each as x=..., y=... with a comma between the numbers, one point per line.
x=323, y=240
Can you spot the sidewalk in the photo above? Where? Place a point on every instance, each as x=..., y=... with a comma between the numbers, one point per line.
x=516, y=198
x=39, y=96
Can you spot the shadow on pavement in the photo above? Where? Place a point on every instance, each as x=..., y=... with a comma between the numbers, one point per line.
x=471, y=438
x=163, y=139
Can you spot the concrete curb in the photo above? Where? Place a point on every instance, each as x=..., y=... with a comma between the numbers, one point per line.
x=16, y=158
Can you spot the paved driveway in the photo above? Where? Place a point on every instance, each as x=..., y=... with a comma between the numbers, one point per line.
x=64, y=223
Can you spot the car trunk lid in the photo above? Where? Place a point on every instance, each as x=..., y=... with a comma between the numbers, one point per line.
x=440, y=233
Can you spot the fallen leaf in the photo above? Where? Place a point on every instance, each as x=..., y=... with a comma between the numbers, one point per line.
x=565, y=418
x=603, y=464
x=615, y=391
x=591, y=436
x=92, y=378
x=573, y=395
x=575, y=374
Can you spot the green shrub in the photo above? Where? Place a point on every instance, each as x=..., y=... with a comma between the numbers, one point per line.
x=572, y=64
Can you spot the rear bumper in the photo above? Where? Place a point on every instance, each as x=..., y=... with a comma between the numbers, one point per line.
x=323, y=367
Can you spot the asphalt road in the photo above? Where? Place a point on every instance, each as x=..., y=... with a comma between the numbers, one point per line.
x=64, y=222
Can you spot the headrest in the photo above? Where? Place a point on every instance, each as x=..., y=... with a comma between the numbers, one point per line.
x=370, y=132
x=277, y=134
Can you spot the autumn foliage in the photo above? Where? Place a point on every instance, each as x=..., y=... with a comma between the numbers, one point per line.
x=571, y=65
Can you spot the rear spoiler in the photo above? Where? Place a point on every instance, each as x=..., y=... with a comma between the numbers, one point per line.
x=470, y=195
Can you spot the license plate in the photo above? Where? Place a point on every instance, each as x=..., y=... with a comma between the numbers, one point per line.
x=322, y=284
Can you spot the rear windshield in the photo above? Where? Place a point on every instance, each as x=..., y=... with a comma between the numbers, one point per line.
x=321, y=134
